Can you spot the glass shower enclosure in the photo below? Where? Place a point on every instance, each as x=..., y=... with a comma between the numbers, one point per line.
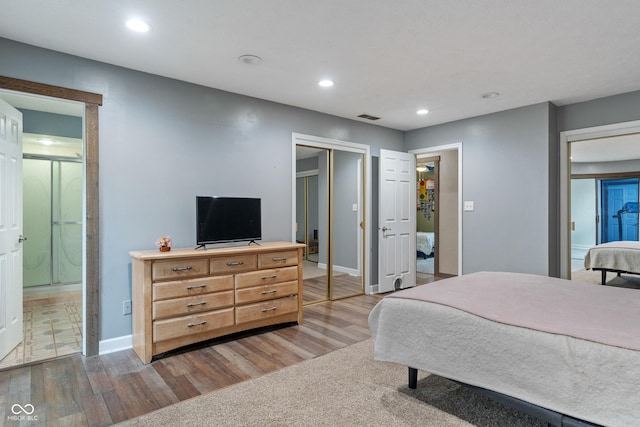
x=52, y=200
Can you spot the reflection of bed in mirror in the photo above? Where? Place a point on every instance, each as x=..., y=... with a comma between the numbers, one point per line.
x=616, y=257
x=425, y=244
x=560, y=350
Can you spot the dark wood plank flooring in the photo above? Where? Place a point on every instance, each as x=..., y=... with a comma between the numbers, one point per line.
x=103, y=390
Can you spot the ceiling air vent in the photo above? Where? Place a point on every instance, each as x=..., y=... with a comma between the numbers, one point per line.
x=368, y=117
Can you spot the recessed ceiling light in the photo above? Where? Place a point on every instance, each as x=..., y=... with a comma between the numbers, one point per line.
x=489, y=95
x=138, y=26
x=250, y=59
x=325, y=83
x=422, y=112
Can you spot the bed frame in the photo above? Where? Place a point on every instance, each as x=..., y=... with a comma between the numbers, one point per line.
x=552, y=418
x=616, y=257
x=567, y=353
x=604, y=271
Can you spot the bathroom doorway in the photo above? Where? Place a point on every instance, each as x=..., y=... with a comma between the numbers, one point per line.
x=52, y=225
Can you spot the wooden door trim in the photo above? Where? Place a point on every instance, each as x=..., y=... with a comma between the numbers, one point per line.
x=92, y=267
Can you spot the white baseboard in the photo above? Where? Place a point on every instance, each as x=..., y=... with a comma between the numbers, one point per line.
x=579, y=251
x=115, y=344
x=340, y=269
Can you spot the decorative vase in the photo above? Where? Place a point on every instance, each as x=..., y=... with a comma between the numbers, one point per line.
x=165, y=248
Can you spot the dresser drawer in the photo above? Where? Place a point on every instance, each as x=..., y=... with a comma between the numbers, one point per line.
x=179, y=268
x=184, y=288
x=193, y=324
x=262, y=277
x=278, y=259
x=194, y=304
x=233, y=264
x=267, y=309
x=266, y=292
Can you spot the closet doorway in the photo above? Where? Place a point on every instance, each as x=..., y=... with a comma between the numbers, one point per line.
x=329, y=218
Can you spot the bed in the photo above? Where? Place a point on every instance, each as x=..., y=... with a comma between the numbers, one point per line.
x=617, y=257
x=564, y=351
x=425, y=244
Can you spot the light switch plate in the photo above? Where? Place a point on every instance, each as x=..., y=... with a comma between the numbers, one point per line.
x=468, y=206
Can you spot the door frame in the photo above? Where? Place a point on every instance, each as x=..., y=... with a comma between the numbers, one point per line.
x=334, y=144
x=450, y=147
x=566, y=138
x=91, y=256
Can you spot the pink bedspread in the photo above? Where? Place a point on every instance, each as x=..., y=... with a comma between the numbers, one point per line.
x=606, y=315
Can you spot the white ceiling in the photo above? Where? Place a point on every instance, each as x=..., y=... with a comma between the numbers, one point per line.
x=388, y=58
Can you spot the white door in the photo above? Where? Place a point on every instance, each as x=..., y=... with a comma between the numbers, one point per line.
x=10, y=228
x=397, y=221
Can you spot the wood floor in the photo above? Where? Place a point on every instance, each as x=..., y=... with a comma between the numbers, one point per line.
x=103, y=390
x=315, y=289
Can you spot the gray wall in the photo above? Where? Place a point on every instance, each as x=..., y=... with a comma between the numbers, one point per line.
x=605, y=167
x=163, y=141
x=345, y=220
x=506, y=170
x=41, y=123
x=598, y=112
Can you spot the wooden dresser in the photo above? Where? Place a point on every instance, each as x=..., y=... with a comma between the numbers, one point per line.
x=186, y=295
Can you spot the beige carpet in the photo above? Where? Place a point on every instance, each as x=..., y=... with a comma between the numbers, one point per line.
x=624, y=281
x=343, y=388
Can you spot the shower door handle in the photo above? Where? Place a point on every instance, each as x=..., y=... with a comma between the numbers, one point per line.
x=21, y=238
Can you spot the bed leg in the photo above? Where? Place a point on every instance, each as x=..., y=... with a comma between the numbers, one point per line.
x=413, y=378
x=603, y=276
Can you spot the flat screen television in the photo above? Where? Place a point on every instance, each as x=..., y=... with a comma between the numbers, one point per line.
x=227, y=219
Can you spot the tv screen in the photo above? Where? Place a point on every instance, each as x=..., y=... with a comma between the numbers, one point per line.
x=227, y=219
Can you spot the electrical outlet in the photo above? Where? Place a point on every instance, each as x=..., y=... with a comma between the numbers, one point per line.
x=468, y=206
x=126, y=307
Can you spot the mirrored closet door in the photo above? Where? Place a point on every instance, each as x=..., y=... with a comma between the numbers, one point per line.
x=329, y=220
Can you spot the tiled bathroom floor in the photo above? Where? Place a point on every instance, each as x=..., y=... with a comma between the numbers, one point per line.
x=50, y=330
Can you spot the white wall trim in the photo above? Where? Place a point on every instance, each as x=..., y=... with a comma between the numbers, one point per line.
x=115, y=344
x=450, y=147
x=567, y=137
x=340, y=269
x=320, y=142
x=311, y=172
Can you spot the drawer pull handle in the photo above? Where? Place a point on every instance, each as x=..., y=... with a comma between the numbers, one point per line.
x=196, y=287
x=193, y=304
x=232, y=263
x=281, y=258
x=272, y=291
x=191, y=325
x=273, y=276
x=269, y=309
x=187, y=268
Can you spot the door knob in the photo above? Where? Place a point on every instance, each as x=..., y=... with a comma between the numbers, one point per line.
x=21, y=239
